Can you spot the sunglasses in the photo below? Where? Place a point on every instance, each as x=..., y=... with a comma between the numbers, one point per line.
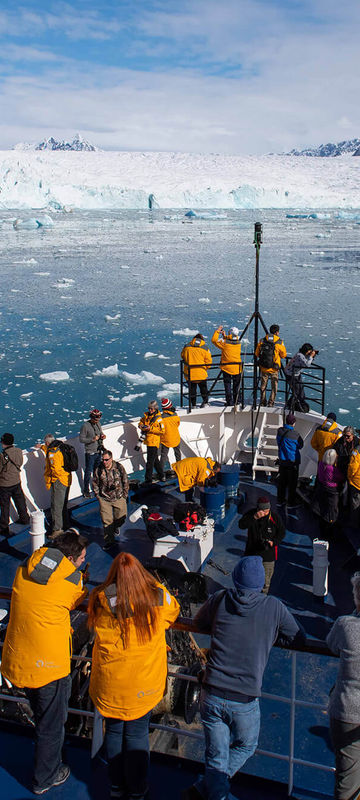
x=106, y=459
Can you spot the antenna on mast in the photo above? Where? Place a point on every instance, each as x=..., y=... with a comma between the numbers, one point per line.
x=256, y=316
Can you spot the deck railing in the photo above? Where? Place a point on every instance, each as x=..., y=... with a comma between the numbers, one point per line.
x=313, y=646
x=313, y=381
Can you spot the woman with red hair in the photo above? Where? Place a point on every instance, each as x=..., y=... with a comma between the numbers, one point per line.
x=129, y=613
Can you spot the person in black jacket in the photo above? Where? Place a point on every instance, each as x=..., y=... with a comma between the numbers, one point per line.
x=244, y=624
x=344, y=447
x=265, y=532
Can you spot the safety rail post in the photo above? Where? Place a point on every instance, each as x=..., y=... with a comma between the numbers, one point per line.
x=292, y=724
x=181, y=383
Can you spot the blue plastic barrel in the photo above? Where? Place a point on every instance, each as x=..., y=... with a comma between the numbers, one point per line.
x=213, y=500
x=229, y=478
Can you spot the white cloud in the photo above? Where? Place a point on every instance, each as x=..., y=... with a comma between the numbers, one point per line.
x=241, y=76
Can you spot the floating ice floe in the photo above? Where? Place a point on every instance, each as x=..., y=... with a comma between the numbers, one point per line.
x=55, y=377
x=204, y=215
x=31, y=261
x=128, y=398
x=185, y=332
x=41, y=221
x=112, y=371
x=204, y=300
x=142, y=378
x=149, y=354
x=27, y=394
x=344, y=411
x=112, y=319
x=169, y=389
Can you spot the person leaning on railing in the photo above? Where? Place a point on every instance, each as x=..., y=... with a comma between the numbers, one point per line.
x=197, y=358
x=344, y=704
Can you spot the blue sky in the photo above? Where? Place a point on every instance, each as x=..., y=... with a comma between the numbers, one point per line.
x=231, y=76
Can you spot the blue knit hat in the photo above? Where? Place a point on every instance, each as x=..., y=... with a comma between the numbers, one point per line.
x=249, y=573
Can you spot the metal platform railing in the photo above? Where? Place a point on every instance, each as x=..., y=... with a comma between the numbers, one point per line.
x=315, y=647
x=313, y=383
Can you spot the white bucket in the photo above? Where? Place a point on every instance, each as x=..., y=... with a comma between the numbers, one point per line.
x=37, y=530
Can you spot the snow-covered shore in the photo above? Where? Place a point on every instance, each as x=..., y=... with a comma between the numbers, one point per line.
x=118, y=180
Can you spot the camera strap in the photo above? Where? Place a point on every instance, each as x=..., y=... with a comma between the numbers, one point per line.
x=7, y=458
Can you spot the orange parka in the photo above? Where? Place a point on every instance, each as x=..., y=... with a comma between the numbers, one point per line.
x=199, y=358
x=193, y=471
x=353, y=473
x=171, y=435
x=54, y=467
x=279, y=353
x=230, y=352
x=127, y=683
x=155, y=423
x=37, y=646
x=325, y=437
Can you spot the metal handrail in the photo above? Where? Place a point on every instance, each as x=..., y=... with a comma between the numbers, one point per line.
x=316, y=376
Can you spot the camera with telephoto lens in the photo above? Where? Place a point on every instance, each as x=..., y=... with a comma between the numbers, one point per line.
x=139, y=442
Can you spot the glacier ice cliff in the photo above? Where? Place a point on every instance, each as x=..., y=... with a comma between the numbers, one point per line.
x=63, y=180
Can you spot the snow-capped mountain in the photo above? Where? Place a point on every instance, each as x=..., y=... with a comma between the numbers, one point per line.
x=330, y=150
x=78, y=144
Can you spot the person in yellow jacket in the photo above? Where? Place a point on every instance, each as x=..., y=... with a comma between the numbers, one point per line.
x=194, y=471
x=353, y=476
x=325, y=435
x=129, y=614
x=230, y=362
x=37, y=648
x=197, y=358
x=171, y=434
x=58, y=480
x=152, y=427
x=269, y=352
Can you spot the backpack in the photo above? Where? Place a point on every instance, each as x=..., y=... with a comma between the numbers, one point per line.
x=71, y=461
x=267, y=353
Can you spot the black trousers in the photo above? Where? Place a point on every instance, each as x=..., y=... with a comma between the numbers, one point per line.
x=288, y=478
x=203, y=391
x=346, y=741
x=152, y=461
x=50, y=708
x=16, y=494
x=231, y=386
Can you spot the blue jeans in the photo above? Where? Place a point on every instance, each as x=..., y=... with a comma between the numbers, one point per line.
x=231, y=736
x=91, y=462
x=126, y=747
x=49, y=705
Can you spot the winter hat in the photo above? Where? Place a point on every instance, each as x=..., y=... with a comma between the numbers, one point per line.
x=154, y=516
x=8, y=439
x=331, y=415
x=165, y=403
x=95, y=413
x=249, y=573
x=263, y=503
x=290, y=419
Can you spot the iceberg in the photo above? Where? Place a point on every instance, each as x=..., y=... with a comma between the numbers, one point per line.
x=112, y=371
x=55, y=377
x=142, y=378
x=43, y=221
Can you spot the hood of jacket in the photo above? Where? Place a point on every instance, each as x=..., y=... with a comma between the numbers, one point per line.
x=49, y=566
x=244, y=600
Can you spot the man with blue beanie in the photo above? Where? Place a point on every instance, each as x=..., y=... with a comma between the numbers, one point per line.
x=244, y=624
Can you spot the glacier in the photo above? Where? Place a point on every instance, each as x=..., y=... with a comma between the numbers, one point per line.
x=62, y=181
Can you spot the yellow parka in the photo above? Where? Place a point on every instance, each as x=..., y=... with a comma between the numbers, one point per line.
x=279, y=353
x=171, y=435
x=54, y=467
x=230, y=352
x=353, y=473
x=325, y=437
x=193, y=471
x=37, y=646
x=127, y=683
x=199, y=358
x=152, y=437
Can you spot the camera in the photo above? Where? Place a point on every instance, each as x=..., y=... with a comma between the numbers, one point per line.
x=139, y=442
x=258, y=234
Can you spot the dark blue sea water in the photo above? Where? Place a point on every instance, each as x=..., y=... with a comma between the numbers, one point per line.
x=155, y=275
